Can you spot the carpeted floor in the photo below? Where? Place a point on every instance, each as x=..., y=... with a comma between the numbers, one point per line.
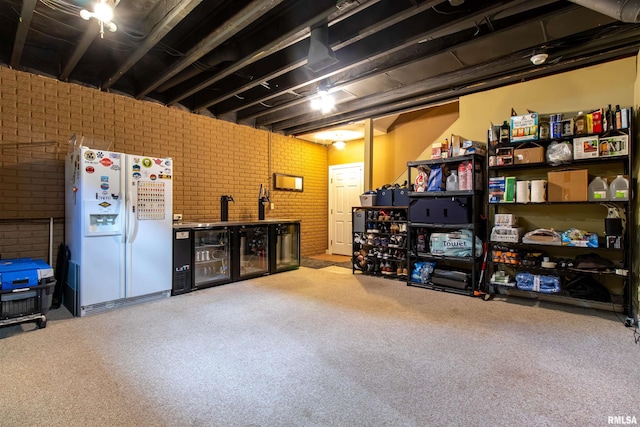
x=317, y=347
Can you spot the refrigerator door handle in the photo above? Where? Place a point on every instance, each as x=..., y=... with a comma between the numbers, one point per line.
x=132, y=223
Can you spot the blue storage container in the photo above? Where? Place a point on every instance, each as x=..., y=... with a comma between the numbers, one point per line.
x=441, y=210
x=384, y=197
x=23, y=273
x=400, y=197
x=26, y=292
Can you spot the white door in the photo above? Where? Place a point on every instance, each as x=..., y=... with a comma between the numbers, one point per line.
x=345, y=186
x=101, y=215
x=149, y=230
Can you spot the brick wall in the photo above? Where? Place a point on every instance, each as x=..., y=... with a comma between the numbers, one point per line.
x=211, y=158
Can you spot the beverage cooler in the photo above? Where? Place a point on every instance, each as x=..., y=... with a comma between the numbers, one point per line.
x=285, y=247
x=212, y=257
x=252, y=254
x=201, y=258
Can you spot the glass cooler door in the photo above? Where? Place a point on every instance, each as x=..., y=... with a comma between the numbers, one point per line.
x=253, y=250
x=286, y=254
x=212, y=257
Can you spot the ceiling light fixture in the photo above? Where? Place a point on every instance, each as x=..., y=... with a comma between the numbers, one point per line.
x=103, y=13
x=539, y=59
x=324, y=102
x=339, y=145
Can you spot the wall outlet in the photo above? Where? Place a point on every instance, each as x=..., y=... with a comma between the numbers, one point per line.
x=273, y=206
x=177, y=217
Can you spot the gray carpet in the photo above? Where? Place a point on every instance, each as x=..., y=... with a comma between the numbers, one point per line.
x=319, y=348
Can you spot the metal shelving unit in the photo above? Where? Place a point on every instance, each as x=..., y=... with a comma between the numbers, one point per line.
x=379, y=241
x=427, y=216
x=559, y=216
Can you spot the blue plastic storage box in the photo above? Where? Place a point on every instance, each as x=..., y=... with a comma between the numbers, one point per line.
x=23, y=273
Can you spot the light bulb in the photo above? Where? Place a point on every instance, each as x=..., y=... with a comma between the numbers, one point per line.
x=327, y=104
x=339, y=145
x=316, y=104
x=323, y=102
x=103, y=12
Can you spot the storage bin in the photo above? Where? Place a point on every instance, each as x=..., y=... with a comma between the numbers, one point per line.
x=384, y=197
x=27, y=288
x=367, y=200
x=445, y=210
x=19, y=273
x=400, y=197
x=454, y=279
x=358, y=221
x=37, y=300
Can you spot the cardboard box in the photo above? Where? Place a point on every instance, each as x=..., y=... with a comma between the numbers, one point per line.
x=524, y=128
x=506, y=234
x=523, y=156
x=594, y=122
x=504, y=156
x=567, y=186
x=496, y=189
x=614, y=146
x=436, y=151
x=505, y=220
x=585, y=147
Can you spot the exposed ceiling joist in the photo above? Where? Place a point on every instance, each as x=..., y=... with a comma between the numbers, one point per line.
x=242, y=19
x=24, y=25
x=167, y=18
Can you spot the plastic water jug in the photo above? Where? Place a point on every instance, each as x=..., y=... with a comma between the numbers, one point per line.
x=452, y=181
x=619, y=188
x=598, y=190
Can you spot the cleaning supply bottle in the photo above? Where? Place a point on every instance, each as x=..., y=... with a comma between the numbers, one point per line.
x=619, y=188
x=598, y=190
x=452, y=181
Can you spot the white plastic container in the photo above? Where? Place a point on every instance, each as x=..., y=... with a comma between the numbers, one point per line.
x=598, y=190
x=619, y=188
x=452, y=181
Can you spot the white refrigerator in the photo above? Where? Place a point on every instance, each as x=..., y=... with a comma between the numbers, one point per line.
x=118, y=229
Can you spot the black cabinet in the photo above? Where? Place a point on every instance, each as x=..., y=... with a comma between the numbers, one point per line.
x=380, y=241
x=182, y=260
x=211, y=254
x=446, y=228
x=559, y=245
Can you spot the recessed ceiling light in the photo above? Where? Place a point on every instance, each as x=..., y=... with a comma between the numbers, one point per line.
x=339, y=135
